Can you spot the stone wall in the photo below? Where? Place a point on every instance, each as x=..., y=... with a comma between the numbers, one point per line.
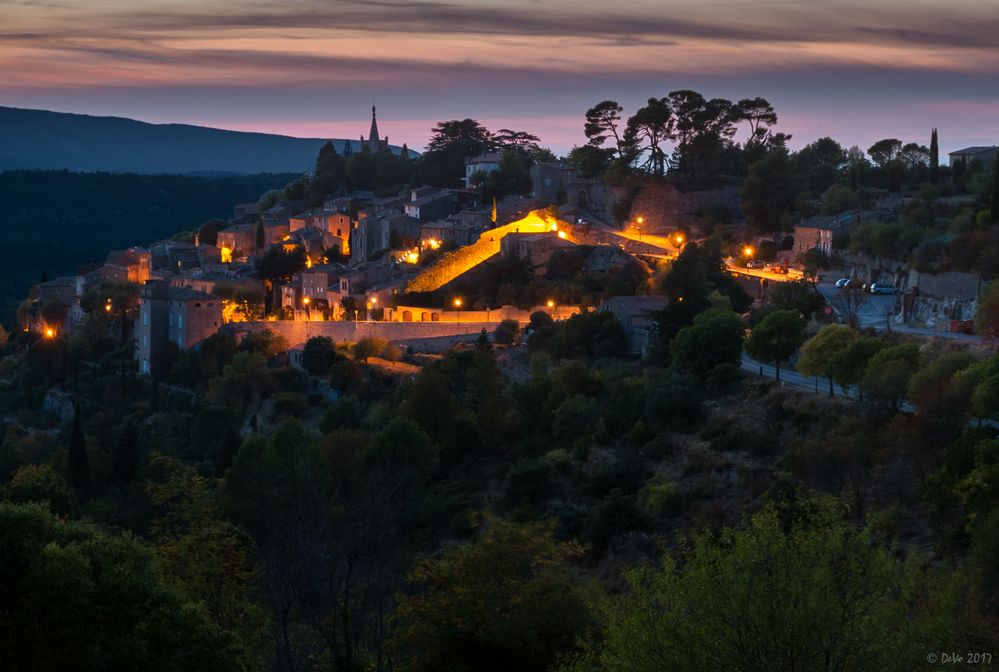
x=664, y=207
x=960, y=286
x=298, y=333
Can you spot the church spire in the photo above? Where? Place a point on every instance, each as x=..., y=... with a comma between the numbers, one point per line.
x=374, y=140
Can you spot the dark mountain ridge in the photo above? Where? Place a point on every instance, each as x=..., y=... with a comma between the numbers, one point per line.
x=43, y=140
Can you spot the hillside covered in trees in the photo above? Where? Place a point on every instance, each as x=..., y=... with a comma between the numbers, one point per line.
x=57, y=221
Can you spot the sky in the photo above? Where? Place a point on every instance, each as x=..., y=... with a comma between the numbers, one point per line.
x=855, y=70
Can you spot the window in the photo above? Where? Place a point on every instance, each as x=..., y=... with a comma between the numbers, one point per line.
x=180, y=321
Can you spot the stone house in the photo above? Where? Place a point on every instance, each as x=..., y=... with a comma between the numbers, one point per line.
x=169, y=314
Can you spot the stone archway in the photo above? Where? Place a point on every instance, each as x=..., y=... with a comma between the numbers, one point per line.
x=407, y=316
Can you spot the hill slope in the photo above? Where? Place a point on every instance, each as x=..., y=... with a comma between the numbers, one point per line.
x=38, y=139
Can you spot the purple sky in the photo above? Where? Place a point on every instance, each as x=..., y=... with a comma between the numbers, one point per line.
x=857, y=71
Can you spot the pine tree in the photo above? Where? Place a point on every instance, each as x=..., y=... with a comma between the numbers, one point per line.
x=230, y=446
x=78, y=466
x=261, y=240
x=125, y=455
x=934, y=157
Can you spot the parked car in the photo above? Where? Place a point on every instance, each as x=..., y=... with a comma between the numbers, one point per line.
x=756, y=263
x=777, y=268
x=843, y=282
x=883, y=289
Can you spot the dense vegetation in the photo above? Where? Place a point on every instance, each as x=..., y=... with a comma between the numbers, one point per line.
x=57, y=221
x=558, y=506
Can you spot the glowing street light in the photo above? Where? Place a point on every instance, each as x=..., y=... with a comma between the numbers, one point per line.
x=457, y=312
x=49, y=332
x=679, y=239
x=748, y=251
x=306, y=301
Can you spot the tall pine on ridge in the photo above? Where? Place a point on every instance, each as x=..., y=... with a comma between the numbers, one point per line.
x=934, y=157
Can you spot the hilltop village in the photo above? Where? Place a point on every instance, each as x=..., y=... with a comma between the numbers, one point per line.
x=410, y=266
x=478, y=408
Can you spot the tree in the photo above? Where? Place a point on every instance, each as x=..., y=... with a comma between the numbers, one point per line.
x=887, y=375
x=799, y=295
x=788, y=591
x=776, y=338
x=125, y=455
x=995, y=193
x=208, y=233
x=714, y=338
x=318, y=355
x=368, y=347
x=507, y=332
x=760, y=116
x=819, y=354
x=987, y=313
x=602, y=121
x=465, y=138
x=885, y=153
x=227, y=450
x=505, y=601
x=76, y=598
x=261, y=238
x=647, y=131
x=77, y=463
x=766, y=192
x=850, y=363
x=702, y=130
x=40, y=483
x=934, y=158
x=849, y=302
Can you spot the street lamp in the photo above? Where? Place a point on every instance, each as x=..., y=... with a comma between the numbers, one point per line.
x=457, y=312
x=679, y=239
x=640, y=221
x=551, y=307
x=306, y=301
x=748, y=251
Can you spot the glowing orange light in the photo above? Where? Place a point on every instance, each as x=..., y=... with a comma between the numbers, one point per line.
x=306, y=300
x=457, y=303
x=679, y=239
x=748, y=251
x=433, y=243
x=551, y=304
x=640, y=220
x=411, y=257
x=225, y=255
x=562, y=235
x=49, y=332
x=308, y=262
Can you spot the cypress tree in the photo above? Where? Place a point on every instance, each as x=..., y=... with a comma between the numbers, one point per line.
x=934, y=157
x=995, y=194
x=125, y=455
x=45, y=276
x=230, y=446
x=78, y=466
x=261, y=240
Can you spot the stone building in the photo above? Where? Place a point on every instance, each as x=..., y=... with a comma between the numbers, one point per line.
x=169, y=314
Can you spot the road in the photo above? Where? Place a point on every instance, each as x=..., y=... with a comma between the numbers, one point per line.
x=792, y=378
x=792, y=273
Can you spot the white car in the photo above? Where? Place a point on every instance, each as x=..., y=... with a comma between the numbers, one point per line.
x=843, y=282
x=883, y=289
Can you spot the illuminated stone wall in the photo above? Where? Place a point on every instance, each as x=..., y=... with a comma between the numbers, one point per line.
x=453, y=264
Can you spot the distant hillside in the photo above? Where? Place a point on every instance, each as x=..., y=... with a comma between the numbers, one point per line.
x=59, y=221
x=41, y=140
